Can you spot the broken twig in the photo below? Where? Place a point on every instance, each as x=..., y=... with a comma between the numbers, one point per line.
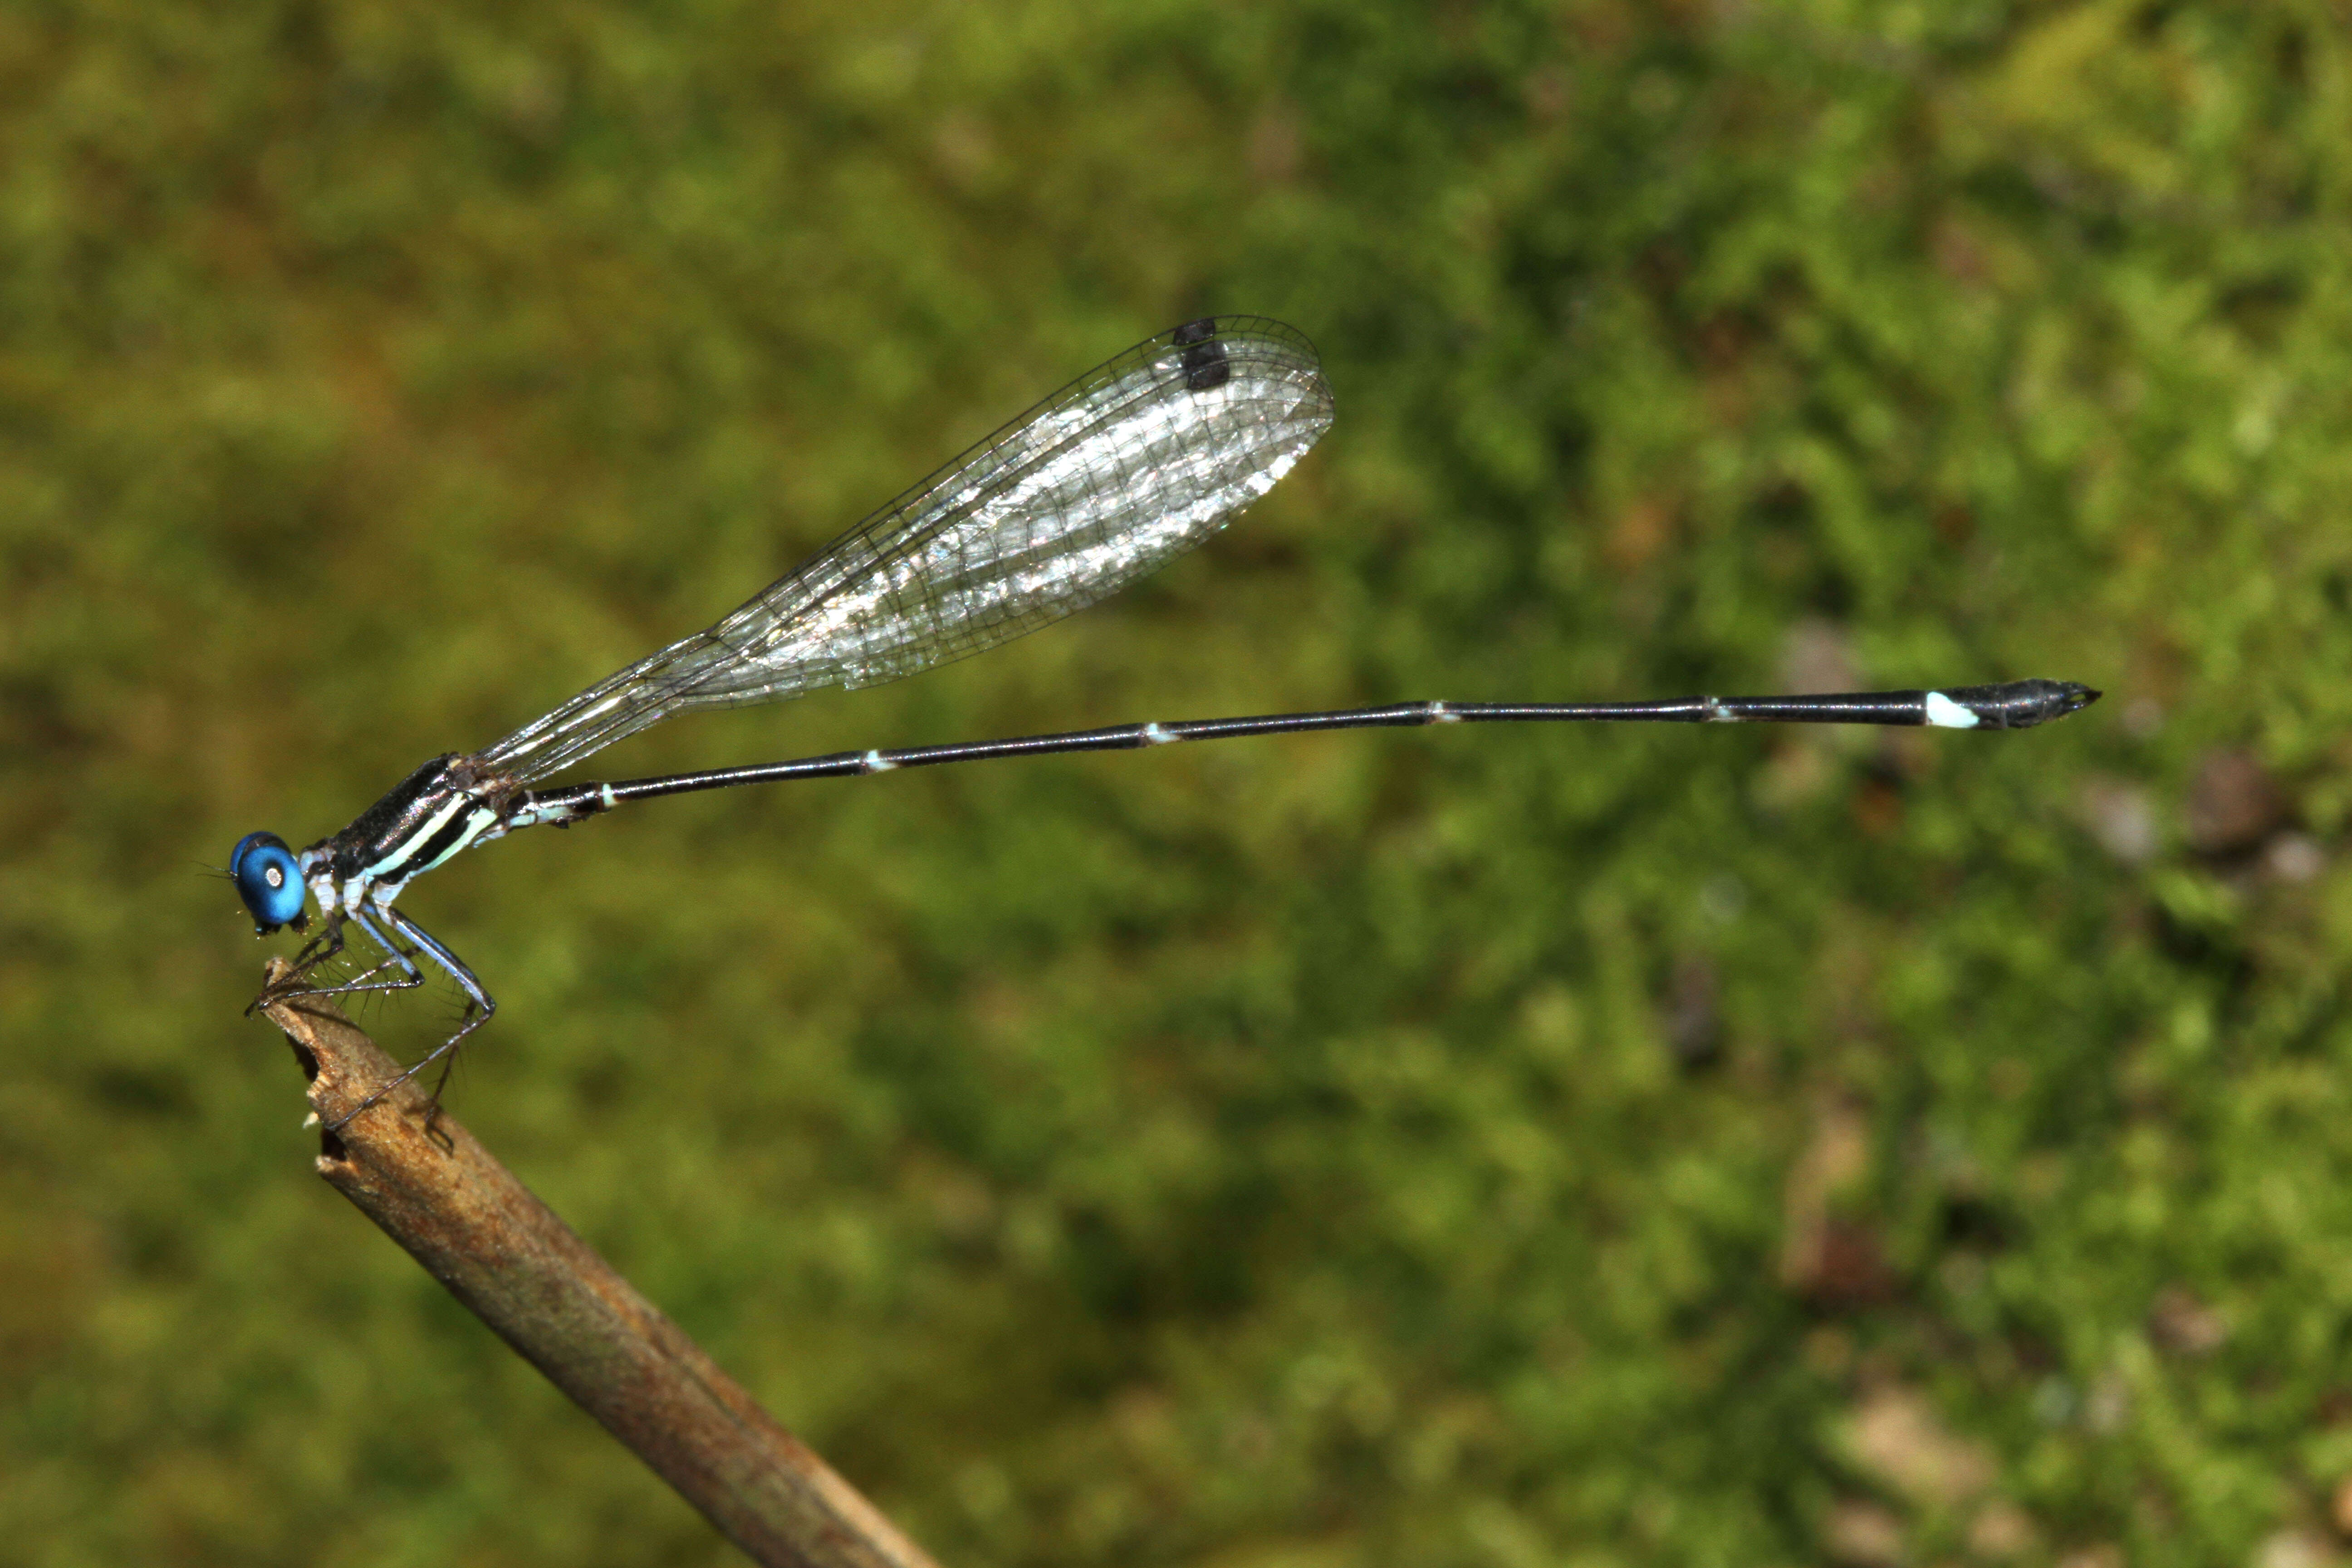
x=426, y=1182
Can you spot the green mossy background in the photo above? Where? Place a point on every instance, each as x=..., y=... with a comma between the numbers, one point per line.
x=1591, y=1147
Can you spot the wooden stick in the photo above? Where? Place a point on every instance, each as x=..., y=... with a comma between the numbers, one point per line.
x=436, y=1192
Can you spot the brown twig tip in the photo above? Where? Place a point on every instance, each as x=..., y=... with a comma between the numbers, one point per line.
x=430, y=1186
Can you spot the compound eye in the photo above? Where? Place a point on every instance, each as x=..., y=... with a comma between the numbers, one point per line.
x=268, y=879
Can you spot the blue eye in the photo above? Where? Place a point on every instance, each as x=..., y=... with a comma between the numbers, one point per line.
x=270, y=879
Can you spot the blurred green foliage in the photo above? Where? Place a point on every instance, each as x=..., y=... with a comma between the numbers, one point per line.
x=1464, y=1147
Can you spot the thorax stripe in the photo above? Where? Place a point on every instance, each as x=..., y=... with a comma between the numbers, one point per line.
x=436, y=839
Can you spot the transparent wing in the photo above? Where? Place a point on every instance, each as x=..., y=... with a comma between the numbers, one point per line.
x=1128, y=467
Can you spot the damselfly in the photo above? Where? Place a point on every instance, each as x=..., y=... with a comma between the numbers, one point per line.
x=1129, y=465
